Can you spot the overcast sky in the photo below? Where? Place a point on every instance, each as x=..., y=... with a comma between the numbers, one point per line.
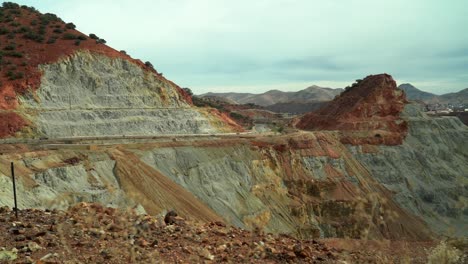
x=258, y=45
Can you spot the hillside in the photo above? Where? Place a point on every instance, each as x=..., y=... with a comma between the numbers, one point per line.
x=413, y=93
x=312, y=94
x=458, y=97
x=366, y=178
x=371, y=104
x=56, y=81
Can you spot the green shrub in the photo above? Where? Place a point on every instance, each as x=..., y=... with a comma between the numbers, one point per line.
x=10, y=5
x=10, y=47
x=58, y=31
x=34, y=36
x=11, y=35
x=23, y=30
x=81, y=37
x=69, y=36
x=48, y=18
x=33, y=22
x=77, y=43
x=188, y=91
x=14, y=76
x=149, y=64
x=93, y=36
x=70, y=26
x=15, y=54
x=4, y=30
x=42, y=30
x=123, y=52
x=30, y=9
x=101, y=41
x=19, y=75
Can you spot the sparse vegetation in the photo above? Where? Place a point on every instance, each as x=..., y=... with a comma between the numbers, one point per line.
x=4, y=30
x=15, y=54
x=188, y=91
x=10, y=5
x=23, y=30
x=70, y=26
x=47, y=18
x=10, y=47
x=149, y=65
x=69, y=36
x=34, y=36
x=14, y=76
x=101, y=41
x=446, y=254
x=93, y=36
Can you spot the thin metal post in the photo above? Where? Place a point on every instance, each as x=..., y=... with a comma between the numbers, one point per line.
x=14, y=188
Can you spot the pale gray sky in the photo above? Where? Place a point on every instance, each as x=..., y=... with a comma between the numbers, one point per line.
x=258, y=45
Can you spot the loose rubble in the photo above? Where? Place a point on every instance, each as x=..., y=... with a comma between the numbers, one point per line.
x=91, y=233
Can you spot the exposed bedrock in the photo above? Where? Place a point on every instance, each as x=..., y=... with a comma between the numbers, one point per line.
x=307, y=184
x=428, y=173
x=90, y=95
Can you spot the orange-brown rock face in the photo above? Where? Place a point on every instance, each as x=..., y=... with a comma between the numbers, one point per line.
x=366, y=113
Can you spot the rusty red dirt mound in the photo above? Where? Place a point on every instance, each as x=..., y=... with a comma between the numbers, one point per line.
x=368, y=112
x=29, y=38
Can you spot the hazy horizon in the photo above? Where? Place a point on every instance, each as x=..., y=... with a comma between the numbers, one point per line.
x=244, y=46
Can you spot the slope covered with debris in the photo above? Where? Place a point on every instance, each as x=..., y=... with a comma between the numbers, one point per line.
x=90, y=233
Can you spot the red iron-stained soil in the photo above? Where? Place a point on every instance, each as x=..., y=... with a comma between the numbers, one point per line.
x=367, y=113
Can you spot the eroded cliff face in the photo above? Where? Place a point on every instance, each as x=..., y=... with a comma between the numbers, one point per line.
x=89, y=94
x=308, y=184
x=428, y=173
x=342, y=183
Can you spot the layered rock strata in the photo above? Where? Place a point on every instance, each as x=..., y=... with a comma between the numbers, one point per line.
x=89, y=94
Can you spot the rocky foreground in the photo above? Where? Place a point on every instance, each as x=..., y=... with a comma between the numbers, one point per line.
x=90, y=233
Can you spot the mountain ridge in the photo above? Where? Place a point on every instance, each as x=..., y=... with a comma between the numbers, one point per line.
x=311, y=94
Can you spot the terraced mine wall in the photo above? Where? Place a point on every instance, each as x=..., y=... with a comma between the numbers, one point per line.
x=307, y=184
x=89, y=94
x=428, y=173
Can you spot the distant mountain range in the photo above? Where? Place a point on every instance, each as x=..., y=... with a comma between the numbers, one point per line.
x=301, y=101
x=314, y=97
x=311, y=94
x=413, y=93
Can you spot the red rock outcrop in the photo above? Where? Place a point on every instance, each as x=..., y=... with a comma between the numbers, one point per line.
x=10, y=123
x=368, y=112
